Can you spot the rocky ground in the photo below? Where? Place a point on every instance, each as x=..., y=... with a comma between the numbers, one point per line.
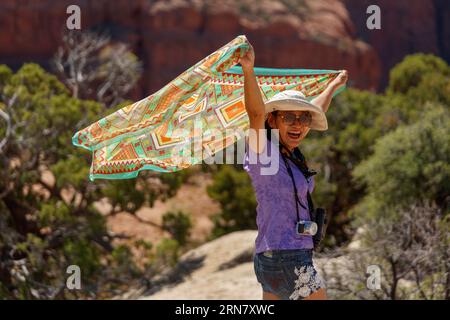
x=220, y=269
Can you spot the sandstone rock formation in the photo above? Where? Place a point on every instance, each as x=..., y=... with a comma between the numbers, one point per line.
x=406, y=27
x=170, y=36
x=220, y=269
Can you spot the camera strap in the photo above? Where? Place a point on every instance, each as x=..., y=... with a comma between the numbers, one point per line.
x=310, y=208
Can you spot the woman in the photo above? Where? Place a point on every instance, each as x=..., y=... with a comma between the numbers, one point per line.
x=283, y=259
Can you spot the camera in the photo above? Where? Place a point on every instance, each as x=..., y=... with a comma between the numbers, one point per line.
x=306, y=228
x=315, y=228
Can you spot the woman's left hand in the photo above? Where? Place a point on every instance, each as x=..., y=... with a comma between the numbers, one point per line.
x=341, y=79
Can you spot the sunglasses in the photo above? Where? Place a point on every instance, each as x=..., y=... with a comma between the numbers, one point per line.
x=289, y=118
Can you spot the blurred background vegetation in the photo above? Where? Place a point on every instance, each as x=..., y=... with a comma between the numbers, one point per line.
x=381, y=154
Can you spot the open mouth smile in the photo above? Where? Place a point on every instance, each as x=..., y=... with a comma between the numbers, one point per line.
x=294, y=134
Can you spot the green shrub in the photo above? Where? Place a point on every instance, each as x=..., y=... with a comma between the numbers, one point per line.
x=410, y=164
x=232, y=188
x=167, y=252
x=178, y=224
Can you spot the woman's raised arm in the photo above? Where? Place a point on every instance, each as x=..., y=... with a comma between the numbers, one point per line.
x=254, y=104
x=323, y=100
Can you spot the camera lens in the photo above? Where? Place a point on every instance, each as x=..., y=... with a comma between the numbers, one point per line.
x=313, y=228
x=306, y=228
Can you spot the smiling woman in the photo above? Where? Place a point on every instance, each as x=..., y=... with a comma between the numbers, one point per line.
x=293, y=115
x=290, y=119
x=285, y=216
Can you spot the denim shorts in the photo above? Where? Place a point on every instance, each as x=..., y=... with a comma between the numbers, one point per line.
x=289, y=274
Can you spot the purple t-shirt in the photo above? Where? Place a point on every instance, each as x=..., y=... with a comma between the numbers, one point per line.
x=276, y=214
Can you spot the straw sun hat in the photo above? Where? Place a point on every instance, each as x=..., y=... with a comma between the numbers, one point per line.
x=293, y=100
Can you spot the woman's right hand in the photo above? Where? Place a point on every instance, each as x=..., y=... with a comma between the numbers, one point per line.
x=248, y=60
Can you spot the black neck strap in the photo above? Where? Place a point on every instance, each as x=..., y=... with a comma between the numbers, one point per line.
x=307, y=174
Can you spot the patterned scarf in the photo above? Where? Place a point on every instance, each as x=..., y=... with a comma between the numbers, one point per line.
x=206, y=101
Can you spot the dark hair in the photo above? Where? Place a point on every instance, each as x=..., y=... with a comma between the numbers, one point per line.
x=267, y=126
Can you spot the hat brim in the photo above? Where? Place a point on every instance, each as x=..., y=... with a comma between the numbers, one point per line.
x=319, y=120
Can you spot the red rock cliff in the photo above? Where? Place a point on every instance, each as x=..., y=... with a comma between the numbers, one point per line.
x=170, y=36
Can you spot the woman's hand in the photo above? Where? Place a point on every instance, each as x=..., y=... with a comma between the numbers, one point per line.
x=248, y=60
x=323, y=100
x=340, y=80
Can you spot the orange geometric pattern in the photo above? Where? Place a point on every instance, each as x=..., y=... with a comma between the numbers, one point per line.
x=200, y=104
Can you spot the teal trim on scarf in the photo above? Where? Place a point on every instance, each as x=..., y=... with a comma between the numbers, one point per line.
x=280, y=72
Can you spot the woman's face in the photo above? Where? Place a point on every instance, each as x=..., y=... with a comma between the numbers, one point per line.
x=292, y=130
